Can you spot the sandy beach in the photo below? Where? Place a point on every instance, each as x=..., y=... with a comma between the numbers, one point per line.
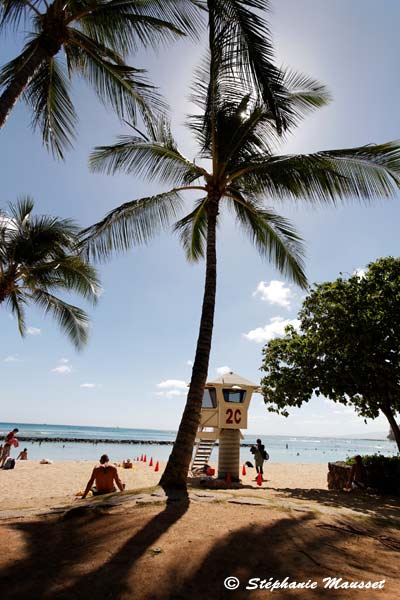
x=140, y=546
x=32, y=485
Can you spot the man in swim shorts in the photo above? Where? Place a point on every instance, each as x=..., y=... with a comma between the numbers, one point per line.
x=103, y=476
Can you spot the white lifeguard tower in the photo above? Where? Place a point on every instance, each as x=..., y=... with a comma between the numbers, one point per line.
x=223, y=414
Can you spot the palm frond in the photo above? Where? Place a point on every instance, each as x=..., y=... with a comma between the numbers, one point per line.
x=22, y=210
x=185, y=15
x=363, y=173
x=16, y=302
x=273, y=236
x=130, y=224
x=304, y=94
x=69, y=273
x=211, y=90
x=242, y=41
x=125, y=25
x=72, y=320
x=192, y=231
x=11, y=69
x=53, y=112
x=159, y=159
x=123, y=88
x=12, y=13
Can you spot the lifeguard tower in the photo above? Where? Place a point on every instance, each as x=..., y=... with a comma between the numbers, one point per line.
x=223, y=414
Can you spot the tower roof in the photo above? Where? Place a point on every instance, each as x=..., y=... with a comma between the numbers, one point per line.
x=232, y=378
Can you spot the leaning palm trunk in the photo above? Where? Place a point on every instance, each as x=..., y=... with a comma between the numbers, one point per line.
x=175, y=474
x=393, y=424
x=17, y=86
x=235, y=130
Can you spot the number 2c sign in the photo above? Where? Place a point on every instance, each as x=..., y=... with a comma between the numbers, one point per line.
x=233, y=416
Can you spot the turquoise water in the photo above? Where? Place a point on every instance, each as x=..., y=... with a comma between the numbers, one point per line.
x=301, y=449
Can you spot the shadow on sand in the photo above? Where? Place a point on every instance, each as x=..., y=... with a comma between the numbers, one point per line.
x=370, y=505
x=84, y=557
x=54, y=549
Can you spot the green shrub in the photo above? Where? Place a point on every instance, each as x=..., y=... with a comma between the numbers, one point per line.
x=383, y=472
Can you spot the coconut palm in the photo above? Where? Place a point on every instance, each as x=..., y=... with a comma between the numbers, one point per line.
x=37, y=258
x=91, y=38
x=235, y=169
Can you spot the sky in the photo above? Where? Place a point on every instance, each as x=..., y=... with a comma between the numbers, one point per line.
x=135, y=368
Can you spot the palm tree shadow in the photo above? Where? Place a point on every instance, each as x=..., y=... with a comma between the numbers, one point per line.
x=289, y=548
x=53, y=551
x=371, y=505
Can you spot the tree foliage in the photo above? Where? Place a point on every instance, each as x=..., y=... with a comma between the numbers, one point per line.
x=38, y=259
x=91, y=39
x=347, y=348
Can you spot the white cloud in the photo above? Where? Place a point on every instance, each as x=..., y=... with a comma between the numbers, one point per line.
x=33, y=331
x=223, y=370
x=360, y=272
x=171, y=388
x=275, y=328
x=174, y=393
x=63, y=361
x=62, y=370
x=89, y=386
x=189, y=363
x=172, y=383
x=274, y=293
x=12, y=358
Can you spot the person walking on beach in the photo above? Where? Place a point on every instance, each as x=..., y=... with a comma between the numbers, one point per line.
x=103, y=476
x=259, y=456
x=10, y=440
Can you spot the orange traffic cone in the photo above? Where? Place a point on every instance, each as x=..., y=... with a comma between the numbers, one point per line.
x=144, y=458
x=244, y=470
x=259, y=479
x=151, y=462
x=228, y=478
x=156, y=467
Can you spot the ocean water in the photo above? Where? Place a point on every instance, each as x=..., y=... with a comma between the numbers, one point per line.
x=301, y=449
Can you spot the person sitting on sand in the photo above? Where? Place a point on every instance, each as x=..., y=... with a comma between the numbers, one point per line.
x=103, y=476
x=23, y=455
x=127, y=464
x=10, y=440
x=357, y=477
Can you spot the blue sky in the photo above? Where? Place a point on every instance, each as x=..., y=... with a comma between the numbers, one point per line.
x=144, y=329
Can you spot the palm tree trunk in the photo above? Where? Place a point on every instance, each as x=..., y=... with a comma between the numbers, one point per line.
x=176, y=471
x=18, y=84
x=387, y=411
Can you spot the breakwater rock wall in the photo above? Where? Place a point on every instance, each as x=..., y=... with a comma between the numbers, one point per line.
x=66, y=440
x=62, y=440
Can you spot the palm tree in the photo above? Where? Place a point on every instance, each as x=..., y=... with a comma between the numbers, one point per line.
x=37, y=257
x=93, y=38
x=236, y=131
